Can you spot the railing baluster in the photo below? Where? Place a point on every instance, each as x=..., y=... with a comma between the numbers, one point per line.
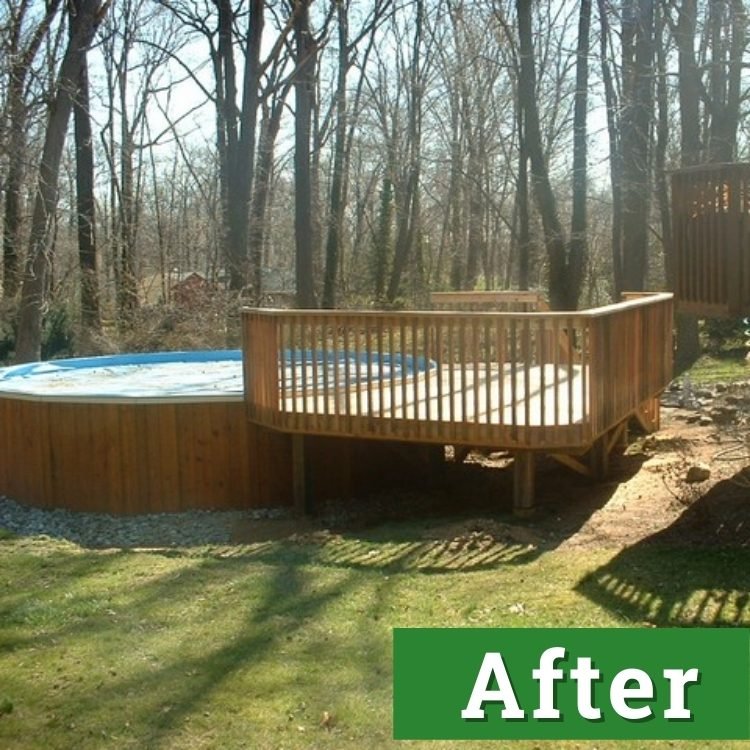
x=513, y=377
x=541, y=344
x=439, y=374
x=462, y=358
x=571, y=372
x=475, y=359
x=428, y=358
x=358, y=369
x=314, y=351
x=325, y=333
x=527, y=389
x=415, y=374
x=346, y=354
x=381, y=360
x=487, y=377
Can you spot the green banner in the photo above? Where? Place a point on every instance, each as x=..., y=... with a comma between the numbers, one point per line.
x=616, y=683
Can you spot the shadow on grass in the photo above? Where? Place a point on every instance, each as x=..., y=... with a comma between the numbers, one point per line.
x=464, y=522
x=186, y=653
x=696, y=572
x=467, y=525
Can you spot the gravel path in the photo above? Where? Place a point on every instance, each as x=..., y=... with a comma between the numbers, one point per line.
x=185, y=529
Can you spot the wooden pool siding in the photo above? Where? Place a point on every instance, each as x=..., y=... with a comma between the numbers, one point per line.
x=127, y=458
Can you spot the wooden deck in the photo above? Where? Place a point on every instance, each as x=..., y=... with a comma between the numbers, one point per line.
x=557, y=382
x=481, y=394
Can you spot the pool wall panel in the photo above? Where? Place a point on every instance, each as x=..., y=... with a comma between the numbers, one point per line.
x=133, y=458
x=158, y=457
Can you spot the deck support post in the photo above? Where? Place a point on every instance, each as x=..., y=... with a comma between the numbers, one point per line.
x=523, y=484
x=621, y=443
x=599, y=457
x=299, y=476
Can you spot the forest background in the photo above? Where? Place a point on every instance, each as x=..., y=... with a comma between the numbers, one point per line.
x=163, y=163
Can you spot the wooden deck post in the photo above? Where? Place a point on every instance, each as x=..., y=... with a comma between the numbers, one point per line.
x=523, y=484
x=299, y=476
x=599, y=457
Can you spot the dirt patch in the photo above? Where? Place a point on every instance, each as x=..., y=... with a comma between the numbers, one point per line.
x=688, y=484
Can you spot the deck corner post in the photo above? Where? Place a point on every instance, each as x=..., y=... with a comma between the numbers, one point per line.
x=523, y=484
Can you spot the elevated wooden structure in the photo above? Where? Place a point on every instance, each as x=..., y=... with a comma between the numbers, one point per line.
x=562, y=383
x=711, y=236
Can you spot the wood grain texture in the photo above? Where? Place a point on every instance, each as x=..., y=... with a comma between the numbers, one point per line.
x=711, y=239
x=162, y=457
x=533, y=381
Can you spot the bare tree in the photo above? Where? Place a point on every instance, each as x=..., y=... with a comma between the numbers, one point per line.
x=564, y=278
x=85, y=201
x=23, y=46
x=637, y=41
x=345, y=122
x=408, y=203
x=85, y=21
x=305, y=50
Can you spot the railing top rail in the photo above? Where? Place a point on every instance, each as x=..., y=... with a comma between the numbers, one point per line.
x=630, y=302
x=489, y=295
x=738, y=166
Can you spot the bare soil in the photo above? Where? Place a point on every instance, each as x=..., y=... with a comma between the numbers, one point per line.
x=647, y=497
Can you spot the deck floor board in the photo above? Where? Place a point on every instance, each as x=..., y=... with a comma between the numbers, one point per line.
x=535, y=396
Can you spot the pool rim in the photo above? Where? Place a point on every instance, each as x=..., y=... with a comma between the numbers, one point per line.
x=197, y=356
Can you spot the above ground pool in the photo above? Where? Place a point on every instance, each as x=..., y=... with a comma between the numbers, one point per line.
x=167, y=431
x=174, y=376
x=161, y=375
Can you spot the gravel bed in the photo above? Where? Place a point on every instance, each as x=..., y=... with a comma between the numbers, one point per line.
x=185, y=529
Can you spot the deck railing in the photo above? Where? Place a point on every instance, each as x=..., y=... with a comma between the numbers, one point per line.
x=518, y=380
x=491, y=301
x=711, y=239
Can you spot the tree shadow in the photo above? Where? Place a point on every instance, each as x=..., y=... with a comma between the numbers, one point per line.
x=695, y=572
x=178, y=679
x=465, y=525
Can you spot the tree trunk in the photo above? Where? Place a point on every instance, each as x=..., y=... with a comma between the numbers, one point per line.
x=16, y=148
x=638, y=82
x=28, y=344
x=726, y=19
x=455, y=193
x=383, y=235
x=85, y=202
x=336, y=203
x=407, y=218
x=522, y=227
x=127, y=289
x=14, y=186
x=554, y=240
x=269, y=130
x=615, y=160
x=578, y=245
x=304, y=91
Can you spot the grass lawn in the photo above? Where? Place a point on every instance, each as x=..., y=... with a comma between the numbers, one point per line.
x=249, y=646
x=720, y=368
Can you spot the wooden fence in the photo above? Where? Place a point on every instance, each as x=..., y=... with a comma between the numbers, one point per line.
x=537, y=380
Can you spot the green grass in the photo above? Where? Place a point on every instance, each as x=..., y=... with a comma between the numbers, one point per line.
x=720, y=368
x=248, y=646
